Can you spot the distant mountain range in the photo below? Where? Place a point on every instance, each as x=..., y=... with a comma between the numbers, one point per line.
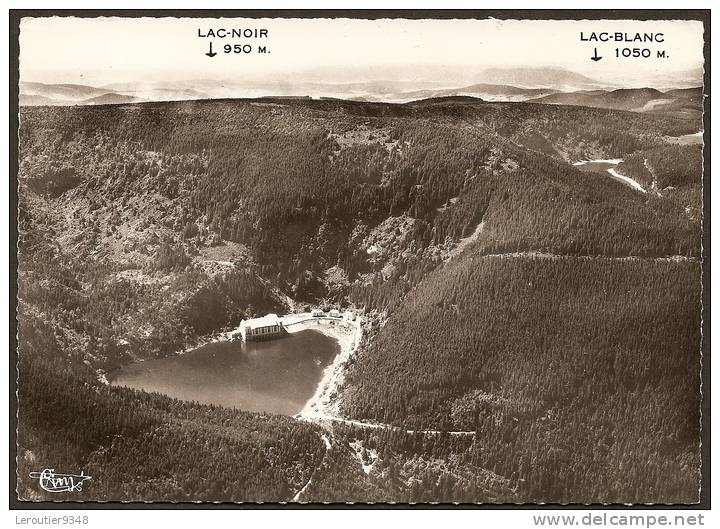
x=61, y=92
x=386, y=91
x=557, y=78
x=538, y=85
x=35, y=94
x=486, y=91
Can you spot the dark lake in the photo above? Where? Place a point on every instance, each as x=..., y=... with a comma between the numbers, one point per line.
x=277, y=376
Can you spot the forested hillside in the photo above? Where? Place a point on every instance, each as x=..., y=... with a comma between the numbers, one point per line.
x=509, y=294
x=147, y=447
x=544, y=357
x=686, y=103
x=671, y=172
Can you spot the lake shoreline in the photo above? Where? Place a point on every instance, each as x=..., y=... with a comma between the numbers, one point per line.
x=105, y=377
x=613, y=163
x=325, y=401
x=322, y=403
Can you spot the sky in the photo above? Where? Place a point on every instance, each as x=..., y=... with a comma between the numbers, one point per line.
x=101, y=51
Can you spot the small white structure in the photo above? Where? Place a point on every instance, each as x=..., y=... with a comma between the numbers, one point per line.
x=317, y=313
x=264, y=328
x=334, y=314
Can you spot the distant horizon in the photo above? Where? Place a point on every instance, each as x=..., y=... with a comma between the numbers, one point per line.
x=104, y=51
x=693, y=79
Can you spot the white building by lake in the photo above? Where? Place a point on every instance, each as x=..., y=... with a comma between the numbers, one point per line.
x=264, y=328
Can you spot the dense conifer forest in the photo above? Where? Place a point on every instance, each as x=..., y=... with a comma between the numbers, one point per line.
x=542, y=357
x=147, y=447
x=550, y=315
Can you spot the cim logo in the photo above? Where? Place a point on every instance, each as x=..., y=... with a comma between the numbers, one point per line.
x=52, y=482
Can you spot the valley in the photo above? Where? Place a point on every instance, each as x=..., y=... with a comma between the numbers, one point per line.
x=513, y=308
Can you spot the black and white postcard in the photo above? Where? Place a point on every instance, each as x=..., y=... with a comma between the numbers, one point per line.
x=351, y=258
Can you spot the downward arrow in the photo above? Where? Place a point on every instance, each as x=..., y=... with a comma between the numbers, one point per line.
x=595, y=57
x=211, y=53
